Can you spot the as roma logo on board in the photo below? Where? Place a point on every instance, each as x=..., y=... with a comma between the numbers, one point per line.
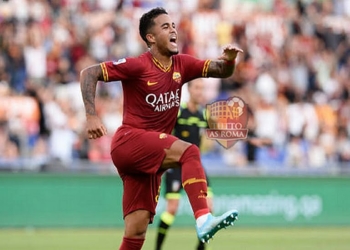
x=227, y=121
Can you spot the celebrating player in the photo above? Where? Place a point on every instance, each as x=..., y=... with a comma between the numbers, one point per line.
x=143, y=147
x=189, y=127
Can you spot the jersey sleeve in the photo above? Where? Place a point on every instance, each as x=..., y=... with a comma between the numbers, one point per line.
x=122, y=69
x=194, y=67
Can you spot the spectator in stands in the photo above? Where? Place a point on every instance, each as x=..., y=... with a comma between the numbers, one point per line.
x=306, y=45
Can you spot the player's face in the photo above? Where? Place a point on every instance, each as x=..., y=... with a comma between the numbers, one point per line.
x=196, y=91
x=165, y=35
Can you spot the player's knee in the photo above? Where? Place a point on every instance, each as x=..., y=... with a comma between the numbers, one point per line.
x=174, y=153
x=191, y=153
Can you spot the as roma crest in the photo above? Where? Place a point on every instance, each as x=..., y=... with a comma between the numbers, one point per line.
x=227, y=121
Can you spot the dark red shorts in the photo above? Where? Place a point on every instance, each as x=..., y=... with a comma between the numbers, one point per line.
x=137, y=155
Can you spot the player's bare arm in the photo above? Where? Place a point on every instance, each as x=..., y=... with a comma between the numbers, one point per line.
x=88, y=82
x=225, y=65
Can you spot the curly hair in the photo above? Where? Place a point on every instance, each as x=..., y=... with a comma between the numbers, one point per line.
x=147, y=21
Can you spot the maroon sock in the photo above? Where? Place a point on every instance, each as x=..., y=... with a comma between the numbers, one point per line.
x=131, y=244
x=194, y=180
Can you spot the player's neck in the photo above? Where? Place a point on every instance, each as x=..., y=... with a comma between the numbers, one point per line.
x=164, y=60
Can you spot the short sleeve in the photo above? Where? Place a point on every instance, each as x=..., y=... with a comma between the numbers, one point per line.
x=123, y=69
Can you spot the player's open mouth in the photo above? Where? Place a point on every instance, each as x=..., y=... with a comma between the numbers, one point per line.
x=173, y=41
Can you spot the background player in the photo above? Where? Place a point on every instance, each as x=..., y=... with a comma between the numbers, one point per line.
x=143, y=147
x=189, y=127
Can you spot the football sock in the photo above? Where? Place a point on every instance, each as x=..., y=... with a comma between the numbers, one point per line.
x=166, y=220
x=194, y=180
x=131, y=244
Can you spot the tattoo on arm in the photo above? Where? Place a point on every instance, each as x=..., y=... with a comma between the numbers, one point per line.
x=220, y=69
x=88, y=82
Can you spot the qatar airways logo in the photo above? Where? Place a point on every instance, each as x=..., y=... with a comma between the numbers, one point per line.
x=164, y=101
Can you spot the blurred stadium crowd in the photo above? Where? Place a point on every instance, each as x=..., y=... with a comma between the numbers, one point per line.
x=294, y=75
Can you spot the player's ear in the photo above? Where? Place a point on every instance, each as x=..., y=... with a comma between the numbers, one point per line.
x=150, y=38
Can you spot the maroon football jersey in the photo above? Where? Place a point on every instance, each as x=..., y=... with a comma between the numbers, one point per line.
x=151, y=92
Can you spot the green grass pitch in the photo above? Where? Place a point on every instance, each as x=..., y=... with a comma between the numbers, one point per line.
x=318, y=238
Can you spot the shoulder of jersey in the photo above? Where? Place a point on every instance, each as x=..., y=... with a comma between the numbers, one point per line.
x=120, y=61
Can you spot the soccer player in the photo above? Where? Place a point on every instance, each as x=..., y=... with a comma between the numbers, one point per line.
x=143, y=147
x=189, y=127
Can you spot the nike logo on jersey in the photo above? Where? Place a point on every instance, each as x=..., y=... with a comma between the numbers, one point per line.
x=151, y=83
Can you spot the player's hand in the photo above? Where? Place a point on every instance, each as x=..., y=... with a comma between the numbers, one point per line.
x=230, y=53
x=94, y=127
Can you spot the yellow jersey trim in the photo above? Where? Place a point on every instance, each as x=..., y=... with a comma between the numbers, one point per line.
x=104, y=72
x=205, y=68
x=159, y=65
